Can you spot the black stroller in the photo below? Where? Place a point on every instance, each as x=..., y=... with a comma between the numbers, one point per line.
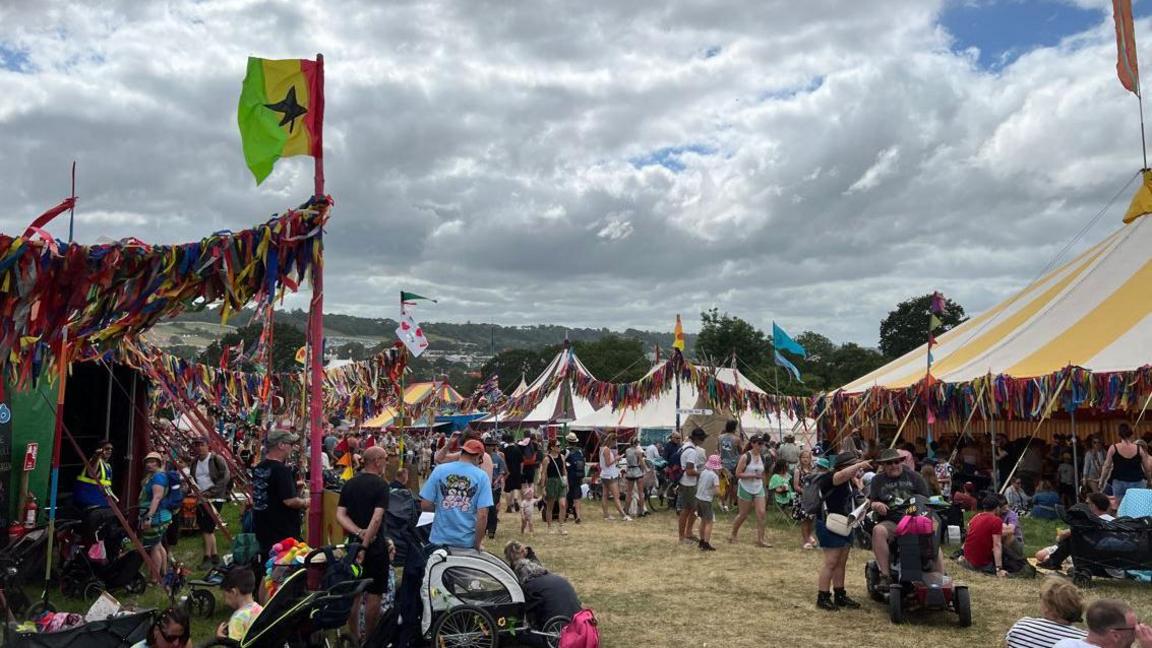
x=113, y=632
x=84, y=577
x=301, y=613
x=1106, y=549
x=22, y=562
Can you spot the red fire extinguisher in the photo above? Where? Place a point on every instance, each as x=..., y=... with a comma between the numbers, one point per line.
x=30, y=509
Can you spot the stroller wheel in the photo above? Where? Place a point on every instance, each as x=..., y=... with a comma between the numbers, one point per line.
x=1082, y=578
x=201, y=603
x=963, y=602
x=137, y=585
x=92, y=590
x=552, y=629
x=38, y=608
x=466, y=626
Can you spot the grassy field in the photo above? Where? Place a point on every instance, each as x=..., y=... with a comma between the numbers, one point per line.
x=648, y=590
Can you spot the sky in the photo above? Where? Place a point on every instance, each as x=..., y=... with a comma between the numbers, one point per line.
x=605, y=163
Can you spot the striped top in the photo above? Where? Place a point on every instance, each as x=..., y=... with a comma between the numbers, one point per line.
x=1031, y=632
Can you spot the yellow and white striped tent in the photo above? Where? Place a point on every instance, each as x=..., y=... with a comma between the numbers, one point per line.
x=1093, y=312
x=414, y=394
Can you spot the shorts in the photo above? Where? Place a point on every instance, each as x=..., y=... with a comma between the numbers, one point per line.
x=512, y=482
x=204, y=519
x=574, y=490
x=607, y=481
x=151, y=536
x=704, y=510
x=686, y=498
x=745, y=495
x=376, y=566
x=554, y=488
x=829, y=540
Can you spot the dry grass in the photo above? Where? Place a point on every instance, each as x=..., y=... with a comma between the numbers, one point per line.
x=648, y=590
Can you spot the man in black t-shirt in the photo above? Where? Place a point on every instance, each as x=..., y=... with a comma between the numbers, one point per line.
x=276, y=505
x=363, y=505
x=894, y=482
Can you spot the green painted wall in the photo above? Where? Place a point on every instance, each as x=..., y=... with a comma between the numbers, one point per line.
x=33, y=420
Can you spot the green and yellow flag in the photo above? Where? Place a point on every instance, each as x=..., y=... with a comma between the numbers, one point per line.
x=281, y=112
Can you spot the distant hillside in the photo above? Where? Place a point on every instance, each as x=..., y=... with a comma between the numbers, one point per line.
x=199, y=329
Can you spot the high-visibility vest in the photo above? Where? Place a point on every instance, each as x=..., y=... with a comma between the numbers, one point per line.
x=105, y=472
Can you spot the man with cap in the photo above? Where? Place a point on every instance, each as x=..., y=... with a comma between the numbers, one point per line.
x=574, y=465
x=276, y=501
x=210, y=473
x=363, y=505
x=893, y=482
x=460, y=493
x=692, y=459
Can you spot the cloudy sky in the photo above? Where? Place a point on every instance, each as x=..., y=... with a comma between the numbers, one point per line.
x=606, y=163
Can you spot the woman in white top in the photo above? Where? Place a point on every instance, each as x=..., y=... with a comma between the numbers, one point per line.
x=1062, y=605
x=750, y=489
x=610, y=476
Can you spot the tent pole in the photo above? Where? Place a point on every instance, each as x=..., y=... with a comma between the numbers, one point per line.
x=1044, y=417
x=1075, y=459
x=316, y=337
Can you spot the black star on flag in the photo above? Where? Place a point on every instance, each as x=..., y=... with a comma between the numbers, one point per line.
x=289, y=108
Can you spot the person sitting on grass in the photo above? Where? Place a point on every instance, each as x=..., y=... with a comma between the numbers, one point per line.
x=1053, y=557
x=990, y=547
x=1044, y=502
x=238, y=585
x=172, y=629
x=1061, y=605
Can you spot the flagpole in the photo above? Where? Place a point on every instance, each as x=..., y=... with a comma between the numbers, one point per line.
x=1143, y=142
x=316, y=334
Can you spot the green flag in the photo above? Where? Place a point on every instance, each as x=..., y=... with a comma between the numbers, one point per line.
x=406, y=297
x=281, y=112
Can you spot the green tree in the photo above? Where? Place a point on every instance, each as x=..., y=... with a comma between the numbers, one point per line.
x=906, y=327
x=852, y=361
x=351, y=351
x=724, y=335
x=286, y=340
x=613, y=358
x=511, y=364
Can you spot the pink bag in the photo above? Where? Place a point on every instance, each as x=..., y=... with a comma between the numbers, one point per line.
x=914, y=525
x=581, y=632
x=97, y=552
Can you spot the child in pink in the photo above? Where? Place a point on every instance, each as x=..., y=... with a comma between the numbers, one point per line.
x=527, y=507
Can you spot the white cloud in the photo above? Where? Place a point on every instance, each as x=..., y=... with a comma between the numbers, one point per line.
x=822, y=160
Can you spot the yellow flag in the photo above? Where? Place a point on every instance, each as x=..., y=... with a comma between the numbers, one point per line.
x=302, y=354
x=678, y=334
x=1142, y=201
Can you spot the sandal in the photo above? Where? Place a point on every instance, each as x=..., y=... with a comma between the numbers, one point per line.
x=809, y=545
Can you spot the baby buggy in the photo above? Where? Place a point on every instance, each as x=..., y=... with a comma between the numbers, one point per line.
x=471, y=598
x=1106, y=549
x=915, y=585
x=305, y=610
x=113, y=632
x=22, y=562
x=84, y=574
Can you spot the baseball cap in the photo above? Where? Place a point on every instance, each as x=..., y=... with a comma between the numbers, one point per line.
x=472, y=446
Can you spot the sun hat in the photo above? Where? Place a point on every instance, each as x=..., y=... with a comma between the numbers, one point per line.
x=713, y=462
x=473, y=447
x=889, y=455
x=572, y=438
x=154, y=455
x=845, y=459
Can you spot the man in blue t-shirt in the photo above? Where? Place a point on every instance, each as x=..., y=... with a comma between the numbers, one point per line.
x=460, y=494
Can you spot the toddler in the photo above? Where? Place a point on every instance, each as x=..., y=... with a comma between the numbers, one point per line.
x=527, y=507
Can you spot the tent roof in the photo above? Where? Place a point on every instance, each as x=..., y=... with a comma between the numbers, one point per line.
x=1093, y=312
x=414, y=394
x=660, y=412
x=560, y=403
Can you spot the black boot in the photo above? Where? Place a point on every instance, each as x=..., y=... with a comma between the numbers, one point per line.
x=843, y=601
x=824, y=601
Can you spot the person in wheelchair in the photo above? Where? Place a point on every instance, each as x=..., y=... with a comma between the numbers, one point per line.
x=893, y=483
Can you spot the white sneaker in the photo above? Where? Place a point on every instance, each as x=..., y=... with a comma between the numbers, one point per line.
x=627, y=518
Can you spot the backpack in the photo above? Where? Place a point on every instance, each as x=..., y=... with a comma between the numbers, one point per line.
x=581, y=631
x=531, y=456
x=337, y=572
x=811, y=497
x=174, y=498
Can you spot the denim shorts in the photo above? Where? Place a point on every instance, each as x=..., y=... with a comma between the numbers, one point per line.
x=1121, y=487
x=829, y=540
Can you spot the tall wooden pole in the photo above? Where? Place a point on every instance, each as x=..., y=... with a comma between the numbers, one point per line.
x=316, y=338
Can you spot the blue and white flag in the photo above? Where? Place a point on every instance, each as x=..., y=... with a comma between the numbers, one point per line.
x=783, y=362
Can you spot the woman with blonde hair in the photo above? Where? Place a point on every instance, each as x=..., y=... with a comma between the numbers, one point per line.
x=1061, y=605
